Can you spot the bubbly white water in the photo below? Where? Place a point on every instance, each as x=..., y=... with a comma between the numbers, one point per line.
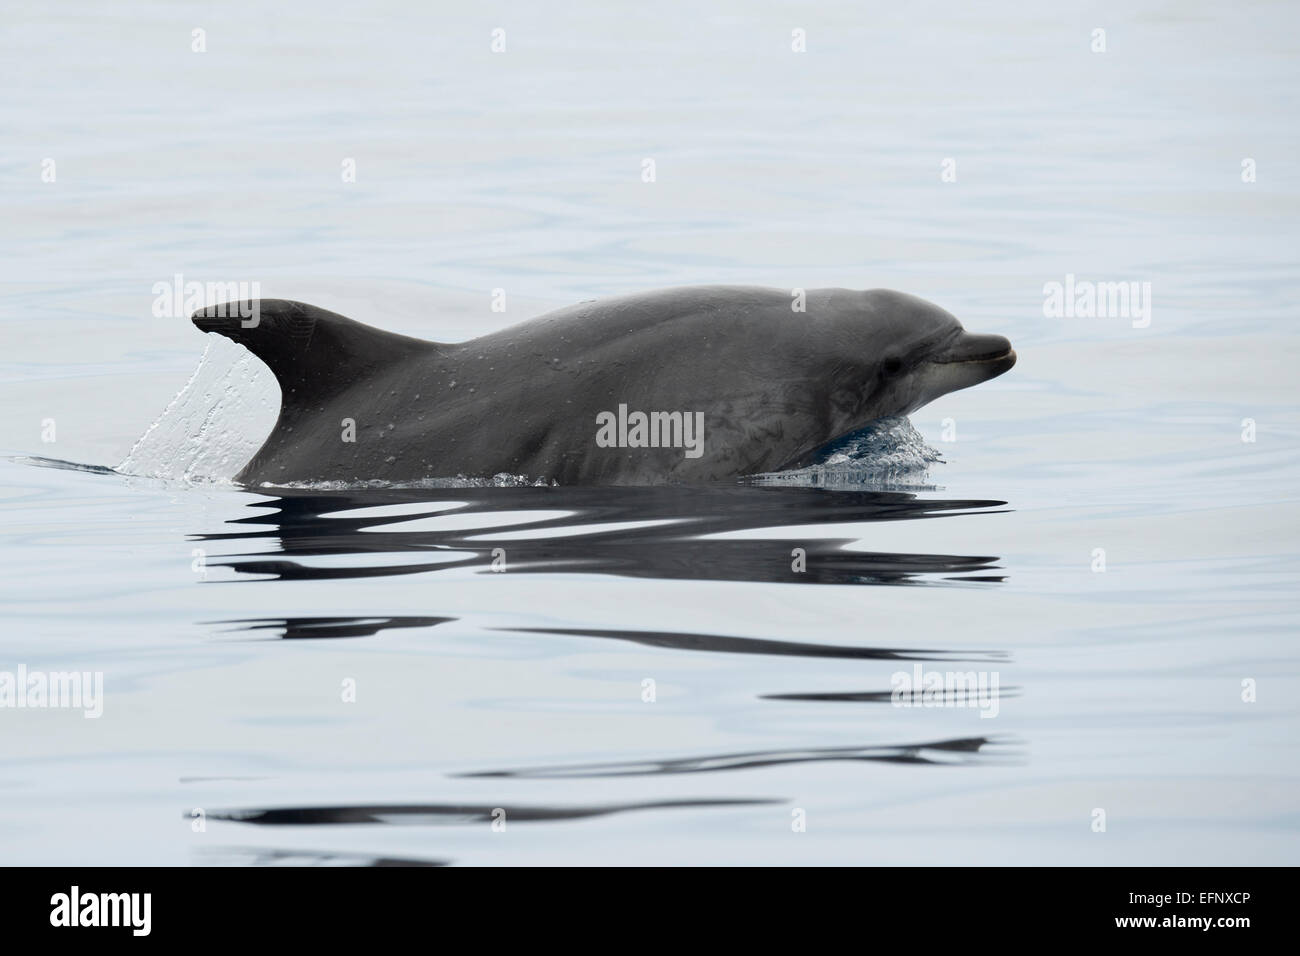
x=214, y=424
x=887, y=453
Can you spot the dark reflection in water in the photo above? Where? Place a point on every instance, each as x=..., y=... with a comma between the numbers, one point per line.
x=596, y=533
x=720, y=643
x=417, y=814
x=941, y=697
x=665, y=533
x=265, y=856
x=959, y=751
x=311, y=628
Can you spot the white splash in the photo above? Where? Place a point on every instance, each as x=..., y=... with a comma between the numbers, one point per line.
x=888, y=452
x=214, y=424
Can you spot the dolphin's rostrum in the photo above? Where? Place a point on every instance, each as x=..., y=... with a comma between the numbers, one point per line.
x=687, y=385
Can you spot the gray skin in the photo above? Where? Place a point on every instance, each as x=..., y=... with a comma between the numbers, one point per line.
x=774, y=385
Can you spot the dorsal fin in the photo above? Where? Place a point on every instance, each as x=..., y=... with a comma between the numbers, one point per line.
x=313, y=353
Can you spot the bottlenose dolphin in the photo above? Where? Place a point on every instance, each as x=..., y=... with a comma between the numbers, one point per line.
x=684, y=385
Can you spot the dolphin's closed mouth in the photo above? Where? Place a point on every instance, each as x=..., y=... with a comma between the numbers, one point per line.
x=977, y=348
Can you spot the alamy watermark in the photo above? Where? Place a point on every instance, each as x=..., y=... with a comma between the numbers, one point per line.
x=922, y=688
x=71, y=690
x=130, y=910
x=1084, y=299
x=626, y=429
x=179, y=299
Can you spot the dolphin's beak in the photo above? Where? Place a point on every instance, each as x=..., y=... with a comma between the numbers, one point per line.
x=965, y=360
x=989, y=354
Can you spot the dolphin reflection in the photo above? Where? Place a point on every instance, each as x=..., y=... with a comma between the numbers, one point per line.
x=666, y=532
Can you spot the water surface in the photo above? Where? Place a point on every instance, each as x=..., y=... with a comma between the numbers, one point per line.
x=231, y=624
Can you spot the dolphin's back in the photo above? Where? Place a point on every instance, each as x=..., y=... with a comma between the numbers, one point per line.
x=359, y=403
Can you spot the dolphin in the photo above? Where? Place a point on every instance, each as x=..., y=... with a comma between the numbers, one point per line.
x=688, y=385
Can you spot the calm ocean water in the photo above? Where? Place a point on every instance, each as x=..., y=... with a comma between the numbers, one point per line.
x=338, y=676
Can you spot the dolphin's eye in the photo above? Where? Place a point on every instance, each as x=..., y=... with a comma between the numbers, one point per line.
x=893, y=365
